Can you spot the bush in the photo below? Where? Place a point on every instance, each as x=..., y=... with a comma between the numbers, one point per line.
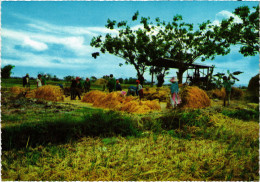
x=67, y=128
x=175, y=120
x=243, y=114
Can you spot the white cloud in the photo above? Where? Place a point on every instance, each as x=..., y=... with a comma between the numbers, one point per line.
x=225, y=15
x=38, y=46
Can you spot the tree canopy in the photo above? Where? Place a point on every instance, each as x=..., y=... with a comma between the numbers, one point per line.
x=143, y=47
x=6, y=71
x=244, y=32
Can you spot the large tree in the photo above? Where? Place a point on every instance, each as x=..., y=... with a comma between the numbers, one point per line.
x=6, y=71
x=176, y=40
x=186, y=45
x=137, y=46
x=242, y=29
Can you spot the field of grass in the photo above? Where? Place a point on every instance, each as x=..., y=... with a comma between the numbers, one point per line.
x=58, y=141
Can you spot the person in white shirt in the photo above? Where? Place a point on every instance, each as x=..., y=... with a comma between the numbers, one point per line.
x=39, y=81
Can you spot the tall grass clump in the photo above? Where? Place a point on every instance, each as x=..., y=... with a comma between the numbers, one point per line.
x=243, y=114
x=177, y=119
x=67, y=128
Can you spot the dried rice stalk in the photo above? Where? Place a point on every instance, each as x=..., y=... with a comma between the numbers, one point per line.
x=18, y=90
x=47, y=92
x=194, y=97
x=117, y=101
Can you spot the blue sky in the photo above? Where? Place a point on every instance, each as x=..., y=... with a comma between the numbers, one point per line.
x=54, y=37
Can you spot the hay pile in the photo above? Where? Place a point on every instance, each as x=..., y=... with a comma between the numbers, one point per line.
x=217, y=93
x=116, y=101
x=236, y=93
x=154, y=93
x=47, y=92
x=100, y=81
x=253, y=85
x=18, y=90
x=194, y=97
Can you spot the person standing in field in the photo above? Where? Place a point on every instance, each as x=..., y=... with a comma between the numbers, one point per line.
x=39, y=81
x=87, y=85
x=227, y=83
x=73, y=87
x=118, y=86
x=174, y=97
x=26, y=81
x=140, y=90
x=79, y=88
x=44, y=79
x=111, y=83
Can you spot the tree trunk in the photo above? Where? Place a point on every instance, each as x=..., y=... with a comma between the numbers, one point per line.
x=180, y=75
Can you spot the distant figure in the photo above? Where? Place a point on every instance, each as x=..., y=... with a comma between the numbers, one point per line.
x=44, y=79
x=174, y=97
x=79, y=88
x=132, y=90
x=118, y=86
x=73, y=87
x=111, y=83
x=39, y=81
x=228, y=86
x=140, y=90
x=26, y=81
x=87, y=85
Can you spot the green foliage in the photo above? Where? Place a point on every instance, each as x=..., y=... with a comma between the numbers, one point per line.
x=147, y=45
x=6, y=71
x=176, y=119
x=67, y=128
x=243, y=114
x=244, y=33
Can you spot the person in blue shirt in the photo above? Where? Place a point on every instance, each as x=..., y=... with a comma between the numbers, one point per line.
x=174, y=92
x=132, y=90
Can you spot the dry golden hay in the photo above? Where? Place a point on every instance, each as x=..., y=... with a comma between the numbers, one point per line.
x=154, y=93
x=194, y=97
x=47, y=92
x=18, y=90
x=236, y=93
x=100, y=81
x=116, y=101
x=217, y=93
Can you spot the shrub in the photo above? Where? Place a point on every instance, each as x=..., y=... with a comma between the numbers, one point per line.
x=175, y=120
x=67, y=128
x=243, y=114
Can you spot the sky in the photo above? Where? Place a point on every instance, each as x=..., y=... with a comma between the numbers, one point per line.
x=54, y=36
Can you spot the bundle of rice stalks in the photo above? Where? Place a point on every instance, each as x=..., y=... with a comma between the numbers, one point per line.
x=117, y=101
x=236, y=93
x=217, y=93
x=18, y=90
x=100, y=81
x=194, y=97
x=93, y=96
x=156, y=93
x=47, y=92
